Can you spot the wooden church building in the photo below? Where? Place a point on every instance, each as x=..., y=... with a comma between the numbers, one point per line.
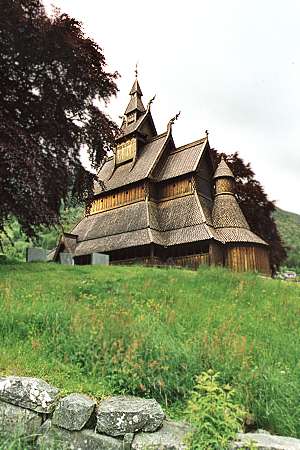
x=159, y=204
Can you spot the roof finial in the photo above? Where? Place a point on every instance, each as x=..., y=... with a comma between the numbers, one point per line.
x=151, y=101
x=136, y=70
x=171, y=121
x=207, y=133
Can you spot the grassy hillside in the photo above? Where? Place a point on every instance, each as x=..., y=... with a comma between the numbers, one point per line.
x=289, y=228
x=150, y=331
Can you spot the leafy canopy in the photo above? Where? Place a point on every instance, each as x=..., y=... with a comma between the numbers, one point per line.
x=52, y=79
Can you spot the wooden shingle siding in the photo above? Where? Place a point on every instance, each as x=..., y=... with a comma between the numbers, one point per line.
x=224, y=185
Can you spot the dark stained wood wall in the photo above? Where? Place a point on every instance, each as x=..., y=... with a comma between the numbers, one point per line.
x=216, y=254
x=248, y=258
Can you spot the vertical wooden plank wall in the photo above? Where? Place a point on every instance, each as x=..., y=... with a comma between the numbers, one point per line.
x=175, y=188
x=113, y=200
x=216, y=254
x=244, y=258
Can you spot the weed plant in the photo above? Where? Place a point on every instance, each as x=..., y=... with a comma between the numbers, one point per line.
x=150, y=331
x=215, y=416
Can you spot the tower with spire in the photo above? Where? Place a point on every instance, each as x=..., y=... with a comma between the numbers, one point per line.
x=159, y=204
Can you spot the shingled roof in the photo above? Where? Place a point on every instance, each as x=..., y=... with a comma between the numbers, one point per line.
x=223, y=170
x=227, y=212
x=182, y=160
x=133, y=171
x=229, y=222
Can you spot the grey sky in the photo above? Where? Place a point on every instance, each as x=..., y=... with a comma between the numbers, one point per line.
x=232, y=67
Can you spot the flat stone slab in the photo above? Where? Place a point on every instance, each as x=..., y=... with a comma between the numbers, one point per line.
x=266, y=442
x=99, y=259
x=58, y=438
x=170, y=437
x=35, y=254
x=18, y=421
x=120, y=415
x=73, y=412
x=31, y=393
x=66, y=258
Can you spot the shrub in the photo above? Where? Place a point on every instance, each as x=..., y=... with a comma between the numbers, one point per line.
x=213, y=413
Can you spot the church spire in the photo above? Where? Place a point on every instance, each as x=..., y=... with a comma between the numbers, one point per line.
x=135, y=106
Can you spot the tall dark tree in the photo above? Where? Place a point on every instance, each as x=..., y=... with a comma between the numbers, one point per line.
x=52, y=79
x=255, y=205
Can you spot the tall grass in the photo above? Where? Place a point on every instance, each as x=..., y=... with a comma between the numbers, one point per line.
x=150, y=332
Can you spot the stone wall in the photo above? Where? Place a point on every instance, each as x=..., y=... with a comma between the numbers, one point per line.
x=32, y=408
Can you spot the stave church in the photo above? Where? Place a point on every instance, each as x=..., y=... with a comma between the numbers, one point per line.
x=158, y=204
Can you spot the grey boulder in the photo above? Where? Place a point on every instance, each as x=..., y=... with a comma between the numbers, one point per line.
x=170, y=437
x=73, y=412
x=53, y=437
x=31, y=393
x=266, y=441
x=120, y=415
x=18, y=421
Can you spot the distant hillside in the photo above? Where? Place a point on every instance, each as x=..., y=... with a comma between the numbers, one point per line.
x=289, y=228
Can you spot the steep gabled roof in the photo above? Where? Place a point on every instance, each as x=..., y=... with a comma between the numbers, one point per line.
x=181, y=161
x=136, y=126
x=132, y=172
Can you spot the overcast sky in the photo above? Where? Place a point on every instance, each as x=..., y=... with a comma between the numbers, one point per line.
x=232, y=67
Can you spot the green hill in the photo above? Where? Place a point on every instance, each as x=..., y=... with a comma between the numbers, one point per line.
x=289, y=228
x=150, y=331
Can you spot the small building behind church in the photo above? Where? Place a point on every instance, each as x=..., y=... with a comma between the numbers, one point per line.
x=158, y=204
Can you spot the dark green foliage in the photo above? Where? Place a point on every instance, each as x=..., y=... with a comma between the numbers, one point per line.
x=150, y=332
x=14, y=241
x=51, y=74
x=288, y=225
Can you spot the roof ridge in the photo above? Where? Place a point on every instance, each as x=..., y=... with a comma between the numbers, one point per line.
x=154, y=138
x=191, y=144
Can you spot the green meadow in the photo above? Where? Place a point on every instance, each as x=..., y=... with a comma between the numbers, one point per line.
x=151, y=331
